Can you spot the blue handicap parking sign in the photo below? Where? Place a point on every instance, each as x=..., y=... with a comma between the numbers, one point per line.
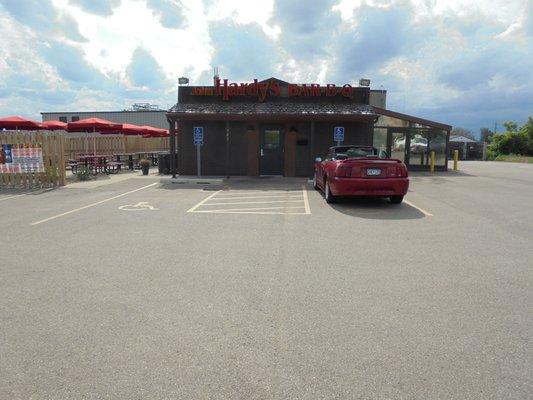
x=198, y=135
x=338, y=134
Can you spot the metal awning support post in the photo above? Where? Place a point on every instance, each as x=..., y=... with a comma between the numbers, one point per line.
x=312, y=143
x=172, y=139
x=227, y=149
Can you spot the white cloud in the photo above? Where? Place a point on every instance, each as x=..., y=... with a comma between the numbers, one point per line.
x=457, y=61
x=113, y=39
x=243, y=12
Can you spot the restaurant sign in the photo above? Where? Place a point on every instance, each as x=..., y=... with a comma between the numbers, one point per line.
x=271, y=88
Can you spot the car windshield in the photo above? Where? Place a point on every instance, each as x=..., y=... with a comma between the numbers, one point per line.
x=355, y=152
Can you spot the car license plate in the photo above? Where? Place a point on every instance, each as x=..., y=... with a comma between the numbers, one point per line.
x=373, y=171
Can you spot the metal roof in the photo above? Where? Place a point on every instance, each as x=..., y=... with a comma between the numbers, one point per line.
x=462, y=139
x=307, y=110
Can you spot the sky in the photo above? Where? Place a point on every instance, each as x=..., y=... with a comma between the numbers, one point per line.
x=463, y=63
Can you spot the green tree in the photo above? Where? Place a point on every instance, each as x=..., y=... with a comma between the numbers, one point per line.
x=511, y=126
x=486, y=135
x=514, y=140
x=527, y=132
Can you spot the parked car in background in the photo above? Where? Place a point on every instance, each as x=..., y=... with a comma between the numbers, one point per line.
x=418, y=145
x=399, y=143
x=360, y=171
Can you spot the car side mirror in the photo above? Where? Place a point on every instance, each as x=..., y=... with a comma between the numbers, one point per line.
x=318, y=159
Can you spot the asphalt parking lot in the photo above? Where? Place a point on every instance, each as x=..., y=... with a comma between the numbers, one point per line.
x=258, y=289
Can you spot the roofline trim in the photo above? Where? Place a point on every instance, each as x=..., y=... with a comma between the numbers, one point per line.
x=101, y=112
x=271, y=116
x=411, y=118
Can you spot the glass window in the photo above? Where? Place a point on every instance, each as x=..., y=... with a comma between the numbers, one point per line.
x=423, y=142
x=386, y=121
x=398, y=145
x=63, y=119
x=380, y=138
x=419, y=148
x=271, y=139
x=74, y=119
x=437, y=143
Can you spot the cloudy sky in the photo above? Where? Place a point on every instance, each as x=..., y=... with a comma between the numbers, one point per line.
x=466, y=63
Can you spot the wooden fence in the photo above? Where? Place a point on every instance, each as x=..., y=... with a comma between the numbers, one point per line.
x=110, y=145
x=53, y=150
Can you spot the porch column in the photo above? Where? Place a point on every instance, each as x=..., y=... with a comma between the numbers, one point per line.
x=252, y=139
x=227, y=150
x=312, y=142
x=172, y=139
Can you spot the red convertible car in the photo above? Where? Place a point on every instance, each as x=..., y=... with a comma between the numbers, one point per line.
x=360, y=171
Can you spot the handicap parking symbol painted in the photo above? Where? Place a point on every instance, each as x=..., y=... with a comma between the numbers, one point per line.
x=141, y=206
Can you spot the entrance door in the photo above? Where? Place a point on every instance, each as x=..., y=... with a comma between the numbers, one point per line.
x=271, y=152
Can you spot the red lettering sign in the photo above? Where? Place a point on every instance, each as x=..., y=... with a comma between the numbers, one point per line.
x=262, y=90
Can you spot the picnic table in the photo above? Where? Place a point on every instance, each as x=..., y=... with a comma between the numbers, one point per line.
x=96, y=163
x=134, y=158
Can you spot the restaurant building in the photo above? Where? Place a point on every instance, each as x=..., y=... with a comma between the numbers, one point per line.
x=272, y=127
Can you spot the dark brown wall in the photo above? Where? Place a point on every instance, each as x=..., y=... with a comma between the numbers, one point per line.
x=354, y=133
x=244, y=146
x=253, y=151
x=289, y=163
x=213, y=152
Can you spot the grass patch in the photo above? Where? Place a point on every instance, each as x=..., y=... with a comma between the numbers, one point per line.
x=514, y=158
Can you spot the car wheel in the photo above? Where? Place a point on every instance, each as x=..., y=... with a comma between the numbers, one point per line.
x=315, y=185
x=396, y=199
x=327, y=194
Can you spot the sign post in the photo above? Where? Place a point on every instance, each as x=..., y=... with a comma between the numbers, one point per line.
x=338, y=134
x=198, y=139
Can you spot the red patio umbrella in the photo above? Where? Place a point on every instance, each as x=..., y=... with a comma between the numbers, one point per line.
x=154, y=132
x=55, y=125
x=15, y=122
x=94, y=125
x=130, y=129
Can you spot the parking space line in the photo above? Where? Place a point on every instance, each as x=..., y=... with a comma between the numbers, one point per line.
x=202, y=202
x=293, y=201
x=257, y=197
x=250, y=212
x=257, y=192
x=249, y=209
x=426, y=213
x=12, y=197
x=92, y=205
x=254, y=202
x=306, y=201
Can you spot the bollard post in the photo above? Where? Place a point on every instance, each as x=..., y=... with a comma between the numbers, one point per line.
x=432, y=165
x=455, y=159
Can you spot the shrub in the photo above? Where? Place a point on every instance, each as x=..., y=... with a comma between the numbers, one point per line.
x=491, y=154
x=83, y=173
x=514, y=141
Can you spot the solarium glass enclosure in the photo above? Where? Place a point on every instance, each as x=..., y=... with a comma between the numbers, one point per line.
x=411, y=142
